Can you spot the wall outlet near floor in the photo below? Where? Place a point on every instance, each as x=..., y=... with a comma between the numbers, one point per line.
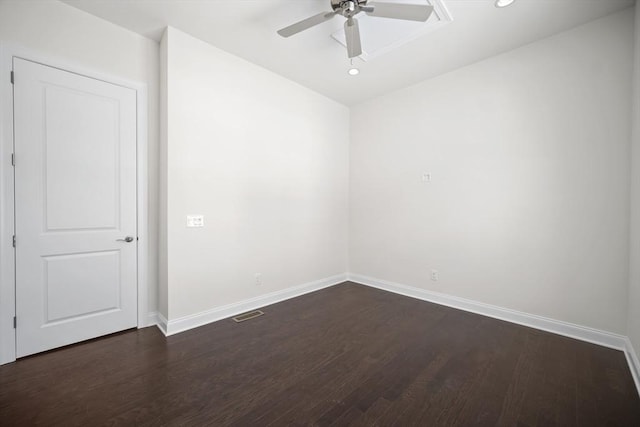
x=435, y=275
x=426, y=177
x=258, y=277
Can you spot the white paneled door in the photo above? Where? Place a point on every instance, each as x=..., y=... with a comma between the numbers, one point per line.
x=75, y=206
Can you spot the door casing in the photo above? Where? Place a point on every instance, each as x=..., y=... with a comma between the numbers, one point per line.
x=7, y=253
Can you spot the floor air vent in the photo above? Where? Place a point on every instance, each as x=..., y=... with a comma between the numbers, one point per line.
x=247, y=316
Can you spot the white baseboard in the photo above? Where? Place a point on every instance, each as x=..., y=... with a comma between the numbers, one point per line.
x=162, y=323
x=182, y=324
x=150, y=320
x=634, y=363
x=583, y=333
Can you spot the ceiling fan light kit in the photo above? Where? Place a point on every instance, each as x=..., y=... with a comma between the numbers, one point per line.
x=350, y=8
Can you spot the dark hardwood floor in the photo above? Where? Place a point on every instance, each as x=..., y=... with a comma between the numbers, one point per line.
x=346, y=355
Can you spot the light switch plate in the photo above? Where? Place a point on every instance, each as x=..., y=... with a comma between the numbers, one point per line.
x=195, y=220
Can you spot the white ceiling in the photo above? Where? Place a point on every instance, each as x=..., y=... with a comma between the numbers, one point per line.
x=247, y=28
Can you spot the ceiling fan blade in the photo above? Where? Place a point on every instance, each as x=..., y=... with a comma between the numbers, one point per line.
x=409, y=12
x=352, y=36
x=306, y=24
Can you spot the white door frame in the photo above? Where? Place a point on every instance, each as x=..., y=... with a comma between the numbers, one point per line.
x=7, y=254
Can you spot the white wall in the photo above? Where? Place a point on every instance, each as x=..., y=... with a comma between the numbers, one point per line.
x=634, y=279
x=64, y=33
x=528, y=207
x=266, y=162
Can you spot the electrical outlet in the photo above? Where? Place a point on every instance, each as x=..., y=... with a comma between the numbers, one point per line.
x=426, y=177
x=435, y=275
x=258, y=279
x=195, y=221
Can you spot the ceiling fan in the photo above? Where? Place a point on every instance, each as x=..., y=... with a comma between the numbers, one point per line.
x=350, y=8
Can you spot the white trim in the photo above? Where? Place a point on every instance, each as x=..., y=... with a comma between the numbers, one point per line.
x=634, y=363
x=162, y=323
x=142, y=184
x=151, y=320
x=7, y=261
x=7, y=273
x=193, y=321
x=582, y=333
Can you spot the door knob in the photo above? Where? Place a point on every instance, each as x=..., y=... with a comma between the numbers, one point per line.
x=126, y=239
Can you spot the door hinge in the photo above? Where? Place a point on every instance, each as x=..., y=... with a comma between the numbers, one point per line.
x=13, y=159
x=15, y=322
x=12, y=77
x=14, y=240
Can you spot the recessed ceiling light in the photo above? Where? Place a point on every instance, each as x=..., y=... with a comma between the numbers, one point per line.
x=504, y=3
x=353, y=71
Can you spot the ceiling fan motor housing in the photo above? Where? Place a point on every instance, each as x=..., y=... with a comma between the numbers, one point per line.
x=348, y=8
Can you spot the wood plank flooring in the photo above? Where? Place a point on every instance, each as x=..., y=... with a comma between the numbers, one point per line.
x=346, y=355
